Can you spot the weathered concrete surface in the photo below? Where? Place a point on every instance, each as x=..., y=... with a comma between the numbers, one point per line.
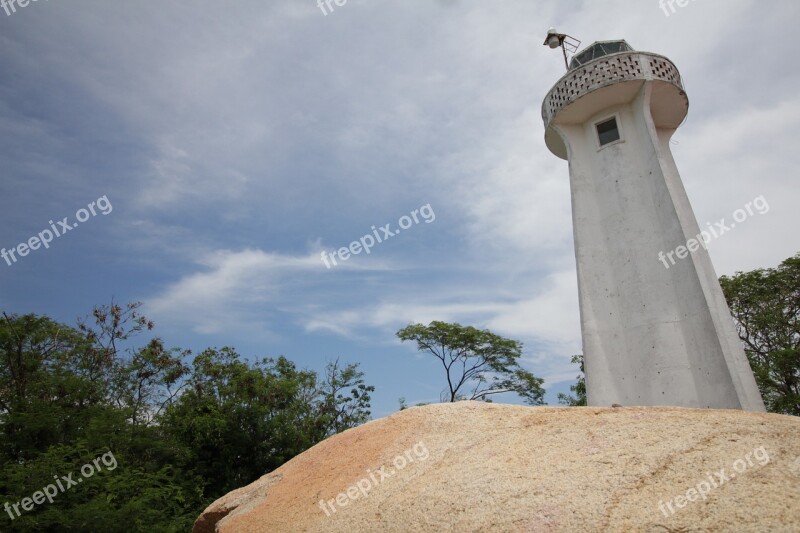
x=496, y=467
x=655, y=325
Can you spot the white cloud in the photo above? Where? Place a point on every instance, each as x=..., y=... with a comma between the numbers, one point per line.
x=272, y=121
x=232, y=284
x=548, y=322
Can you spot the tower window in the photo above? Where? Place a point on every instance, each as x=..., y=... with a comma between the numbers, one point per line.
x=607, y=131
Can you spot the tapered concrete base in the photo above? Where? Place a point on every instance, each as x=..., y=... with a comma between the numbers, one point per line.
x=656, y=327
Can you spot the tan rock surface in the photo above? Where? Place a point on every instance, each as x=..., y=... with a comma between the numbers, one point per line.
x=492, y=467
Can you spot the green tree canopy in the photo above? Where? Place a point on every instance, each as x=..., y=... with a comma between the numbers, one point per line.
x=237, y=421
x=69, y=395
x=578, y=389
x=184, y=430
x=765, y=304
x=477, y=363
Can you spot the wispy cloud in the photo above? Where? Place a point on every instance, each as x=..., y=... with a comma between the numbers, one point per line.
x=231, y=284
x=240, y=140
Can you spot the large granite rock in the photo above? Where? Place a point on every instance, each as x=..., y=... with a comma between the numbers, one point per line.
x=472, y=466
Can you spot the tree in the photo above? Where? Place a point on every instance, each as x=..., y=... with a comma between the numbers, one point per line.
x=238, y=420
x=140, y=381
x=765, y=304
x=579, y=388
x=475, y=359
x=343, y=410
x=182, y=434
x=44, y=371
x=61, y=406
x=403, y=405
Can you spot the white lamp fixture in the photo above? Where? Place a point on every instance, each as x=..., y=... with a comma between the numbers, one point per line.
x=562, y=40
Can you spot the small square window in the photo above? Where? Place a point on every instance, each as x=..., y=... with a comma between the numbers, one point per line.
x=607, y=131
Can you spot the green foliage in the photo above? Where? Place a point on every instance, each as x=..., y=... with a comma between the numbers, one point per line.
x=237, y=421
x=342, y=408
x=183, y=431
x=579, y=388
x=404, y=405
x=765, y=304
x=475, y=359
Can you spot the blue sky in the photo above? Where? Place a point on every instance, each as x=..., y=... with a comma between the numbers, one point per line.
x=235, y=141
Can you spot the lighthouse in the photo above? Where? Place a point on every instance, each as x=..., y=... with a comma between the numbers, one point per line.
x=654, y=332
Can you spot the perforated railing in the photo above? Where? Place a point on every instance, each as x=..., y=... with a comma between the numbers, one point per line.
x=606, y=71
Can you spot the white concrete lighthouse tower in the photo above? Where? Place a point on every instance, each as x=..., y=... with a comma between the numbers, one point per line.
x=654, y=332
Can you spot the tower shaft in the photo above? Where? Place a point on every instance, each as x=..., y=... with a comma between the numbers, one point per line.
x=654, y=332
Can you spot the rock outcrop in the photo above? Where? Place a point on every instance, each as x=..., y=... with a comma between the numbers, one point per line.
x=472, y=466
